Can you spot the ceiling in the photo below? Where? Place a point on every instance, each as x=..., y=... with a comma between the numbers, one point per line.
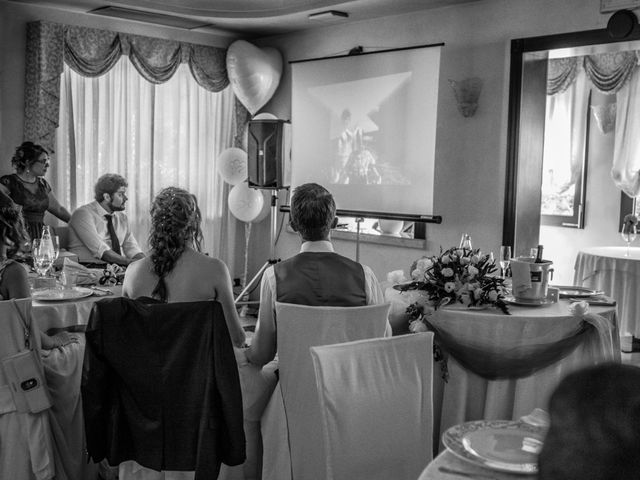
x=248, y=18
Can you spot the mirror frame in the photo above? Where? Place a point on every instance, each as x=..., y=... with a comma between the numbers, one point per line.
x=521, y=226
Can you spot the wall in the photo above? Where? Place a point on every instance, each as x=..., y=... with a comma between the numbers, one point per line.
x=470, y=152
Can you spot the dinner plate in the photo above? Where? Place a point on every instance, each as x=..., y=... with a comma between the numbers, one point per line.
x=502, y=445
x=570, y=291
x=528, y=303
x=57, y=295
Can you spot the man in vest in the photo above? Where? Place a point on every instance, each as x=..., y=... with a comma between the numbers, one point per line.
x=317, y=276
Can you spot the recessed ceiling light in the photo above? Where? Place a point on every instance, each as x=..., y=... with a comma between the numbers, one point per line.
x=328, y=15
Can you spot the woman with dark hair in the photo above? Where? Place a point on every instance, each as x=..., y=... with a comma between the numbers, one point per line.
x=28, y=188
x=176, y=270
x=13, y=276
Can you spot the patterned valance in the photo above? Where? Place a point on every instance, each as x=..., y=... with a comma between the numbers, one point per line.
x=607, y=71
x=92, y=52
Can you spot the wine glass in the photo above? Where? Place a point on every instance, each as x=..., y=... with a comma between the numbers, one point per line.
x=628, y=235
x=43, y=258
x=505, y=259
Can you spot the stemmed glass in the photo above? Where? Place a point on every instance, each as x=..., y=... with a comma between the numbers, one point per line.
x=505, y=259
x=628, y=234
x=43, y=258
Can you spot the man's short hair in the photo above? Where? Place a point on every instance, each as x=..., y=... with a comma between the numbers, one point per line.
x=108, y=183
x=313, y=211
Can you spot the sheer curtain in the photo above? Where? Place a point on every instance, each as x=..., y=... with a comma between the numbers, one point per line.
x=154, y=135
x=626, y=149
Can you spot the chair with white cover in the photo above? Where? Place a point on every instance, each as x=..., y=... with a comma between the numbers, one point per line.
x=377, y=407
x=26, y=443
x=292, y=417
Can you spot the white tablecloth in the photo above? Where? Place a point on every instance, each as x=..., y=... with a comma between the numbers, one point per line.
x=608, y=269
x=448, y=461
x=466, y=396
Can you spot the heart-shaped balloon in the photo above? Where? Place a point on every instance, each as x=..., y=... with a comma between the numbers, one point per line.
x=254, y=73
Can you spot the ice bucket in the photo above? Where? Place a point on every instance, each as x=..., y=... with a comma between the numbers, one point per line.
x=530, y=279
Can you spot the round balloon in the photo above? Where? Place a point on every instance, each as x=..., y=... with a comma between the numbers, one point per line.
x=254, y=73
x=232, y=165
x=245, y=203
x=266, y=207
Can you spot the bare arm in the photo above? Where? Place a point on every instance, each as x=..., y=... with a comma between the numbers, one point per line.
x=110, y=256
x=58, y=210
x=224, y=295
x=263, y=345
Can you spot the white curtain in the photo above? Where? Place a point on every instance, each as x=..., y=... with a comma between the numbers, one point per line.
x=153, y=135
x=626, y=147
x=564, y=146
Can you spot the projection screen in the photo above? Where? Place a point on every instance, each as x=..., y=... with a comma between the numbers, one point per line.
x=364, y=126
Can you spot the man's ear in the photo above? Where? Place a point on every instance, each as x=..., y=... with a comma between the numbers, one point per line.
x=334, y=224
x=106, y=196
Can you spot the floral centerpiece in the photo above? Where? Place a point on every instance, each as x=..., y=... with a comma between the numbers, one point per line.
x=630, y=220
x=456, y=276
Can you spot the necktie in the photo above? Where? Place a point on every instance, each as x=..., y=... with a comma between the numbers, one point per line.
x=115, y=243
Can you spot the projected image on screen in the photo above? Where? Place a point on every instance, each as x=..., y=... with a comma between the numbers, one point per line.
x=364, y=126
x=360, y=155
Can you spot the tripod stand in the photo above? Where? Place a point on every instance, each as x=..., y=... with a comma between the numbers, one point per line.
x=272, y=254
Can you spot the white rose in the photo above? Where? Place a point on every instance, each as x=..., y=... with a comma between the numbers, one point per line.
x=465, y=260
x=449, y=287
x=447, y=272
x=475, y=259
x=493, y=295
x=417, y=274
x=397, y=276
x=424, y=264
x=460, y=252
x=477, y=293
x=445, y=259
x=417, y=326
x=473, y=271
x=466, y=299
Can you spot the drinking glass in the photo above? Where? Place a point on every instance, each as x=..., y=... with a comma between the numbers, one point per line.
x=56, y=246
x=505, y=259
x=628, y=235
x=43, y=258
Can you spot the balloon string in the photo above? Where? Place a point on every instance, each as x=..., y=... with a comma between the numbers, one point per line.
x=247, y=236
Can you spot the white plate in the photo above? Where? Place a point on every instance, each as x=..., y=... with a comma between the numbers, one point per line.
x=58, y=295
x=527, y=302
x=569, y=291
x=501, y=445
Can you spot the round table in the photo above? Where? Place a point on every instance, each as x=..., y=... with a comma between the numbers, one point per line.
x=610, y=270
x=446, y=463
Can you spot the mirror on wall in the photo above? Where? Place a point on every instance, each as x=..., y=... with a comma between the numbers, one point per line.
x=563, y=138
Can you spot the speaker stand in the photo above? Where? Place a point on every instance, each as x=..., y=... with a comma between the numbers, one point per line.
x=359, y=220
x=272, y=254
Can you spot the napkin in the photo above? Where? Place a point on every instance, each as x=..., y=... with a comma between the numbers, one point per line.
x=521, y=277
x=83, y=275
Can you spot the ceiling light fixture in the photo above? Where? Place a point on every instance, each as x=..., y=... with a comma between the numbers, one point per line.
x=328, y=15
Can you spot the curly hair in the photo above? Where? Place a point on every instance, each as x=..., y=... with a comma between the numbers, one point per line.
x=26, y=155
x=108, y=183
x=175, y=225
x=12, y=225
x=313, y=211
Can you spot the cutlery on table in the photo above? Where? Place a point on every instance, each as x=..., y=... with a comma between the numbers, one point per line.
x=460, y=473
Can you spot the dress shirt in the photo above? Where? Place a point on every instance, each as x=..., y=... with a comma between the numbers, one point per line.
x=89, y=236
x=268, y=295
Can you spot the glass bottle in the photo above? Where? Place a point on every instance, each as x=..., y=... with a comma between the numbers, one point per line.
x=465, y=242
x=539, y=255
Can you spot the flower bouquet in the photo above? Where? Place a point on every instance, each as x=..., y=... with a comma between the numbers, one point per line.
x=456, y=276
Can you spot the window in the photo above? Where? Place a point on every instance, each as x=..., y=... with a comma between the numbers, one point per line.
x=154, y=135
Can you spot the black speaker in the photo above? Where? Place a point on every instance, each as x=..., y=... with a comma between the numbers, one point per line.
x=268, y=154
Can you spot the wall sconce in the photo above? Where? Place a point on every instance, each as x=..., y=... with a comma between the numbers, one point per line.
x=467, y=93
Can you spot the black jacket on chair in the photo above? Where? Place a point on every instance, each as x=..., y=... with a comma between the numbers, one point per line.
x=160, y=386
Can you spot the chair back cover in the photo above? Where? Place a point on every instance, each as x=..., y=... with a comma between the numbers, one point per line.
x=27, y=452
x=299, y=328
x=377, y=406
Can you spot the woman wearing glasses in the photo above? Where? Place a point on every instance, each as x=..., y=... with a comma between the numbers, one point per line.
x=28, y=188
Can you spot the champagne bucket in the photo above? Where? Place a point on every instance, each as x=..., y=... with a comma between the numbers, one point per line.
x=530, y=279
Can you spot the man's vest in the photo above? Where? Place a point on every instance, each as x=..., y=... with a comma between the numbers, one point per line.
x=320, y=279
